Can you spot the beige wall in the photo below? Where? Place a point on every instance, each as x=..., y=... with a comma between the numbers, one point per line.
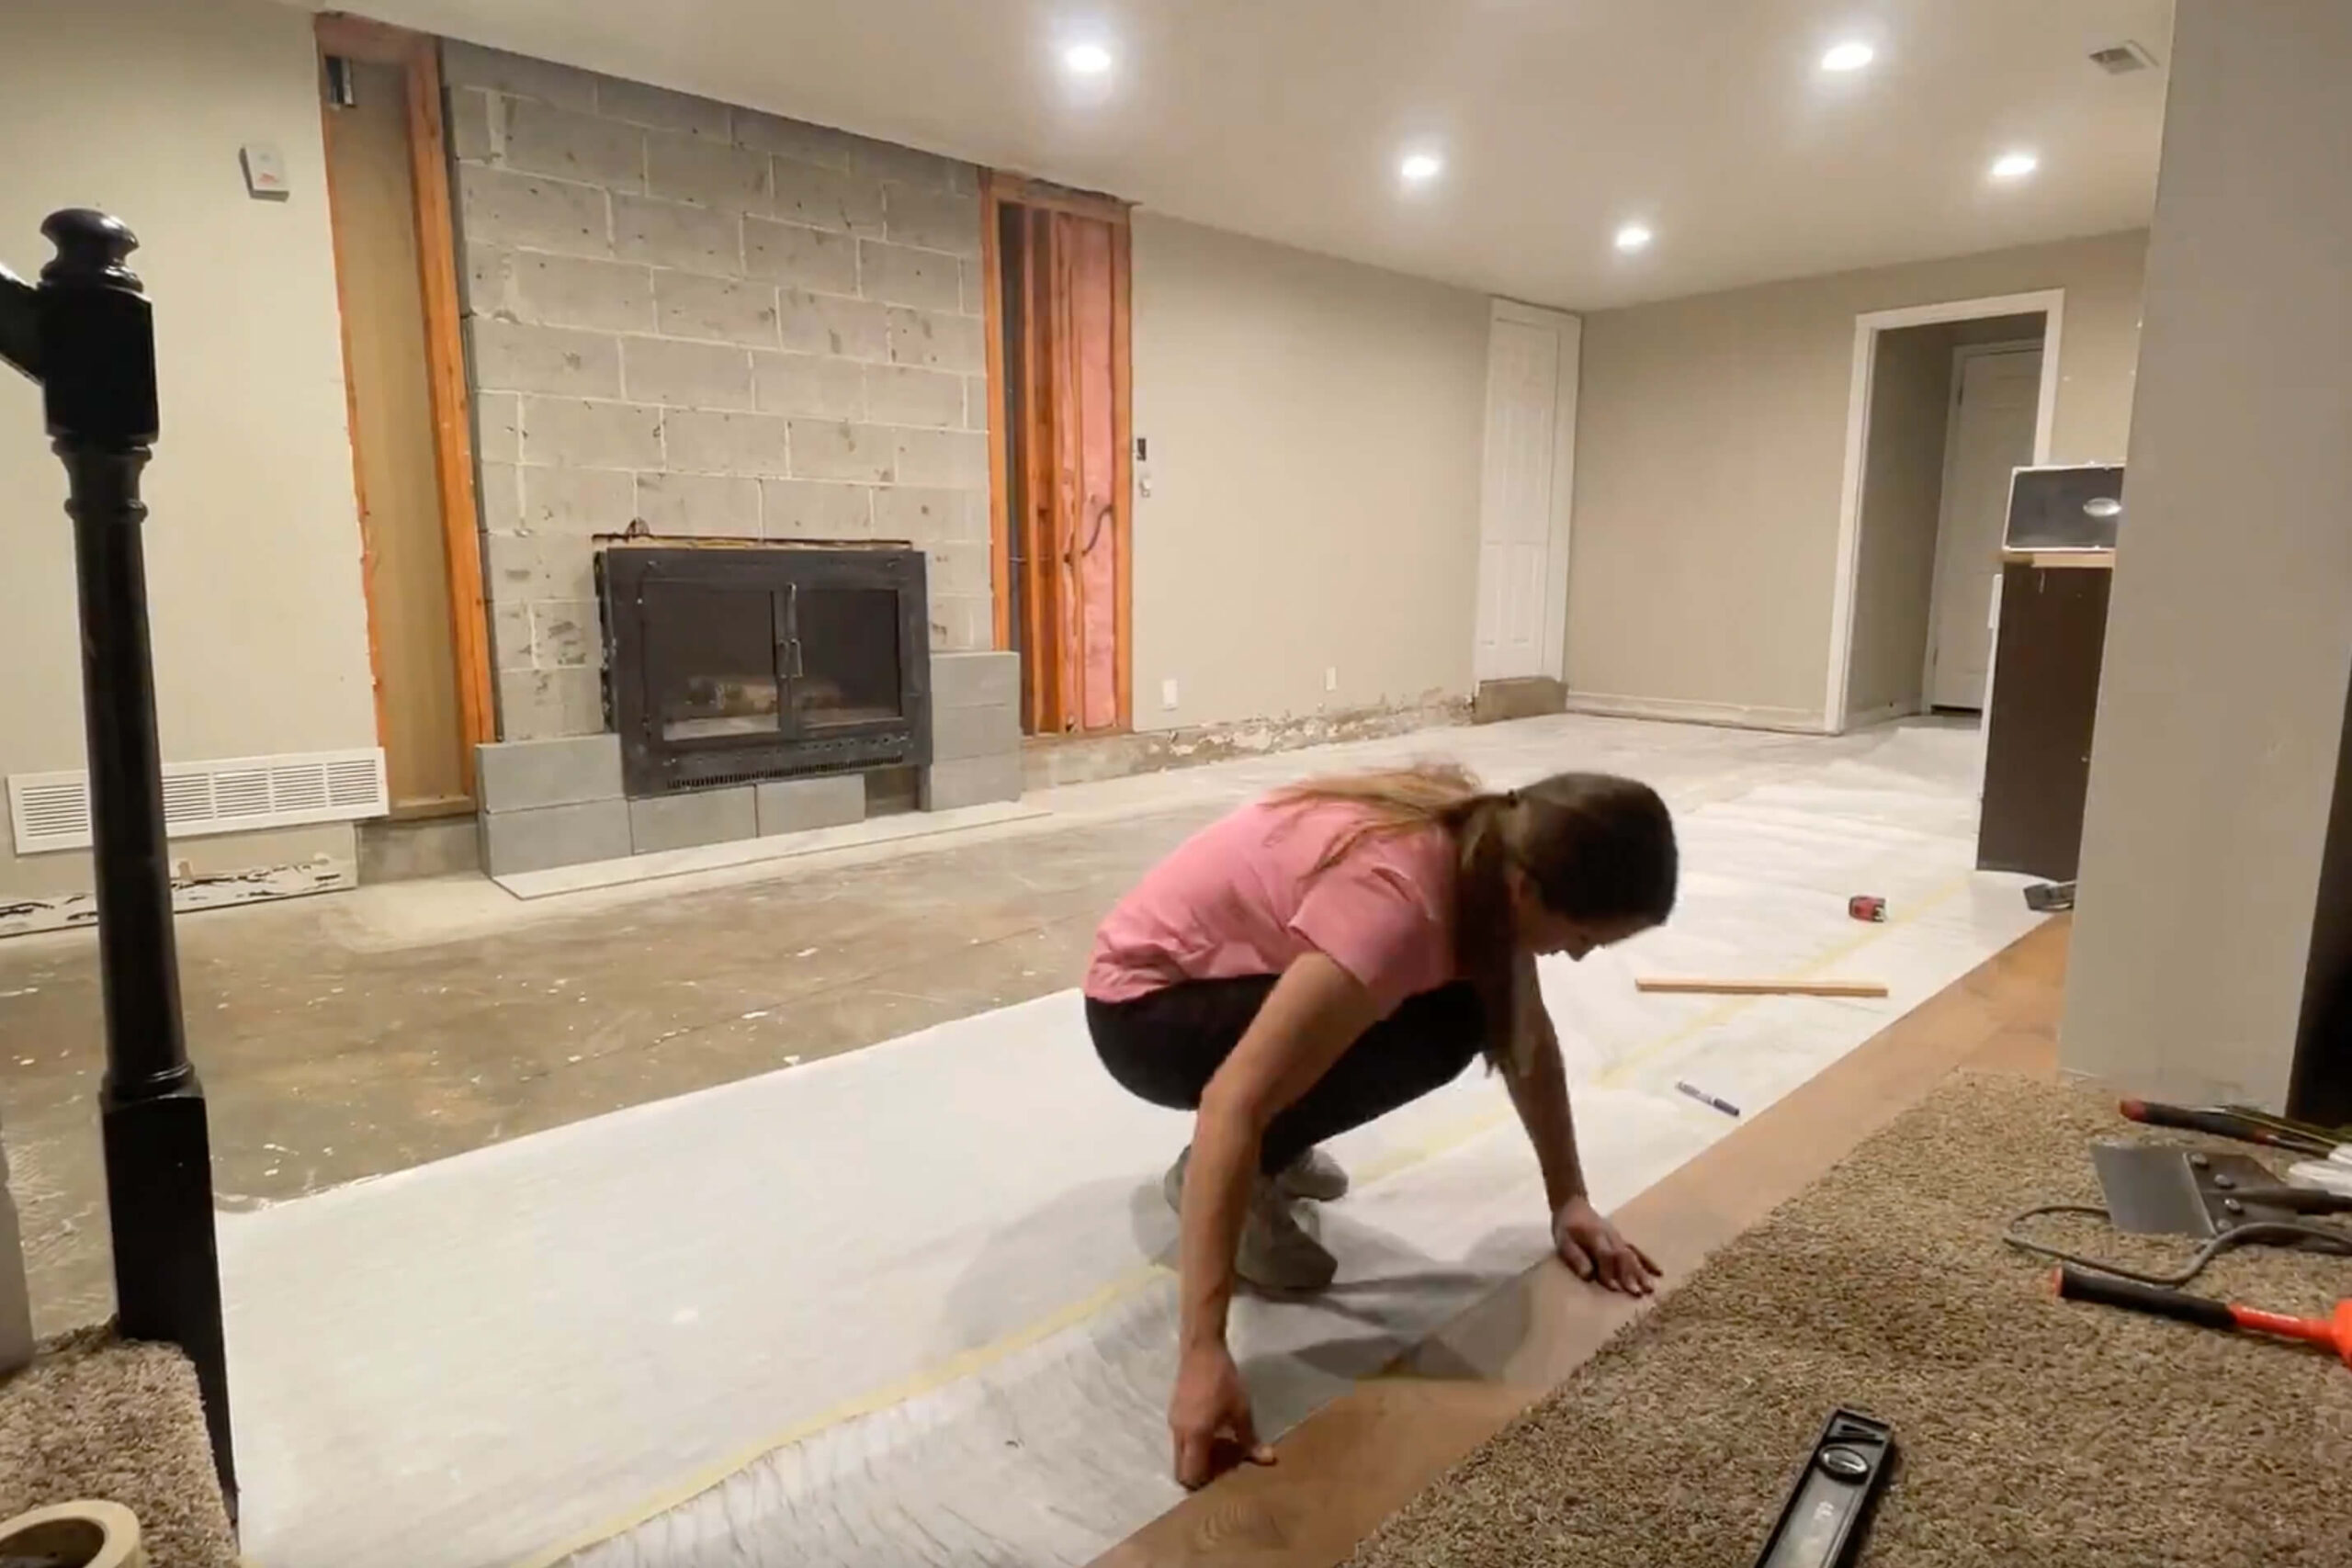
x=252, y=552
x=1314, y=432
x=2229, y=642
x=1709, y=448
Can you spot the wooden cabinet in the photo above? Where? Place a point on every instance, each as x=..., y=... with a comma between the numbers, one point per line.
x=2045, y=698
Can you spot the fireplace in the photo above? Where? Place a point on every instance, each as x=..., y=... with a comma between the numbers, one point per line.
x=729, y=664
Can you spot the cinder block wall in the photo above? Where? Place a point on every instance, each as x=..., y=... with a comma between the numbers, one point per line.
x=715, y=320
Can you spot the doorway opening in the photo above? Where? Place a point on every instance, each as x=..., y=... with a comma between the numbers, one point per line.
x=1056, y=263
x=1948, y=401
x=387, y=197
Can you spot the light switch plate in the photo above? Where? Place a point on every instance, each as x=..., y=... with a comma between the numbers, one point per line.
x=264, y=170
x=1168, y=693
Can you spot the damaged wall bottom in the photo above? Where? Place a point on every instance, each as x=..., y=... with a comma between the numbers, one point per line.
x=1053, y=760
x=198, y=890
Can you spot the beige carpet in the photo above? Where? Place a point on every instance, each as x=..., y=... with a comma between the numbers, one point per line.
x=2033, y=1431
x=94, y=1417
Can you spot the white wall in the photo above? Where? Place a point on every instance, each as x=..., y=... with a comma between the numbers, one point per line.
x=2222, y=703
x=1314, y=431
x=138, y=107
x=1710, y=451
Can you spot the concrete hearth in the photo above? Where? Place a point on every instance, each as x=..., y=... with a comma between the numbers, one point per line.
x=560, y=802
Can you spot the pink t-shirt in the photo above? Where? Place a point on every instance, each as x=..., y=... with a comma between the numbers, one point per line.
x=1242, y=896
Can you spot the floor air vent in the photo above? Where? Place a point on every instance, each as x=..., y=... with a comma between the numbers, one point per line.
x=52, y=811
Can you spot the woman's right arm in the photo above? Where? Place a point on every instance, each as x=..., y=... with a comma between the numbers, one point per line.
x=1314, y=1013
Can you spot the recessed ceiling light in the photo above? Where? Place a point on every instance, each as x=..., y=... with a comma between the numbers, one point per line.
x=1634, y=236
x=1420, y=168
x=2015, y=165
x=1851, y=55
x=1086, y=60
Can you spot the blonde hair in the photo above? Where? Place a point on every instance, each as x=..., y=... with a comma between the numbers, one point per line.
x=1396, y=801
x=1593, y=846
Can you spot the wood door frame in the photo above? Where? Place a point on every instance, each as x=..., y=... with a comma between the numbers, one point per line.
x=998, y=191
x=1567, y=379
x=418, y=56
x=1960, y=358
x=2049, y=304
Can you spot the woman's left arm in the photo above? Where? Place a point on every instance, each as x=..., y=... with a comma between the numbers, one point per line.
x=1585, y=1240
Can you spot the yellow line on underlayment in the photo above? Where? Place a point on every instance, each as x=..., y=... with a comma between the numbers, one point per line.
x=965, y=1363
x=961, y=1365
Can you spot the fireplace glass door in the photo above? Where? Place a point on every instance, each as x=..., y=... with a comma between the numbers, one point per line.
x=719, y=646
x=731, y=665
x=844, y=667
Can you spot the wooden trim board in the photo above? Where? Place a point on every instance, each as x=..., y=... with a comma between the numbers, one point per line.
x=356, y=39
x=453, y=448
x=1053, y=389
x=1123, y=485
x=1699, y=986
x=999, y=457
x=2059, y=560
x=418, y=57
x=1048, y=198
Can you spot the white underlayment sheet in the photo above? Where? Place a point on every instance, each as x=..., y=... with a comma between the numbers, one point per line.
x=906, y=1307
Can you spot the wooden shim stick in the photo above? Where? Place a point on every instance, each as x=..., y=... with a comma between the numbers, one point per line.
x=1706, y=987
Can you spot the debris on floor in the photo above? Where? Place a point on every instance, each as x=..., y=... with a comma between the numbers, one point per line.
x=2049, y=897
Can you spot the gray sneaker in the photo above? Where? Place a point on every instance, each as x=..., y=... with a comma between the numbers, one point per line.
x=1314, y=1176
x=1276, y=1253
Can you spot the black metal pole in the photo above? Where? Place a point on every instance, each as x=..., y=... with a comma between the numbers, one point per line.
x=94, y=355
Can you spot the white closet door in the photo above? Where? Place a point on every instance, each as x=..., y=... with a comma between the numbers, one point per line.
x=1523, y=512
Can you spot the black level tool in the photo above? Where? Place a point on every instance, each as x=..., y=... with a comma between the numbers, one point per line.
x=1829, y=1512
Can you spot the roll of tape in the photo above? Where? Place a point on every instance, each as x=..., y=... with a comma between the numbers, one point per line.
x=74, y=1535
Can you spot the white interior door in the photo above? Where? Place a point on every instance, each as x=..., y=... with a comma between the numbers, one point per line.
x=1991, y=433
x=1523, y=508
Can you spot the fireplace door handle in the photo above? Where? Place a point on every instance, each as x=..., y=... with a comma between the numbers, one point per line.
x=787, y=642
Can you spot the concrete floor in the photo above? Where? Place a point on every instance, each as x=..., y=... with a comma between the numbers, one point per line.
x=334, y=1043
x=352, y=1035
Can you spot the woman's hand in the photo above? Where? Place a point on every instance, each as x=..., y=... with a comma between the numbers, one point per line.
x=1210, y=1410
x=1589, y=1244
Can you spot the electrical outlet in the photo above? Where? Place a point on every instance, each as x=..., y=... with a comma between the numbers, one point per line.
x=1331, y=678
x=1168, y=693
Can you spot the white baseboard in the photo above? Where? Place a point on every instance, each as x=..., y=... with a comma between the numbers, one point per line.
x=1678, y=710
x=1885, y=714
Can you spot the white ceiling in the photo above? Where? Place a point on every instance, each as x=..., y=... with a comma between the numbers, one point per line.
x=1710, y=120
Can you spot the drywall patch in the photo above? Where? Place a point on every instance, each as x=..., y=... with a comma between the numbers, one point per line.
x=211, y=890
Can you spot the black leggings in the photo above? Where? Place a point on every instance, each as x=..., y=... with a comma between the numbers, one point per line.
x=1164, y=1046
